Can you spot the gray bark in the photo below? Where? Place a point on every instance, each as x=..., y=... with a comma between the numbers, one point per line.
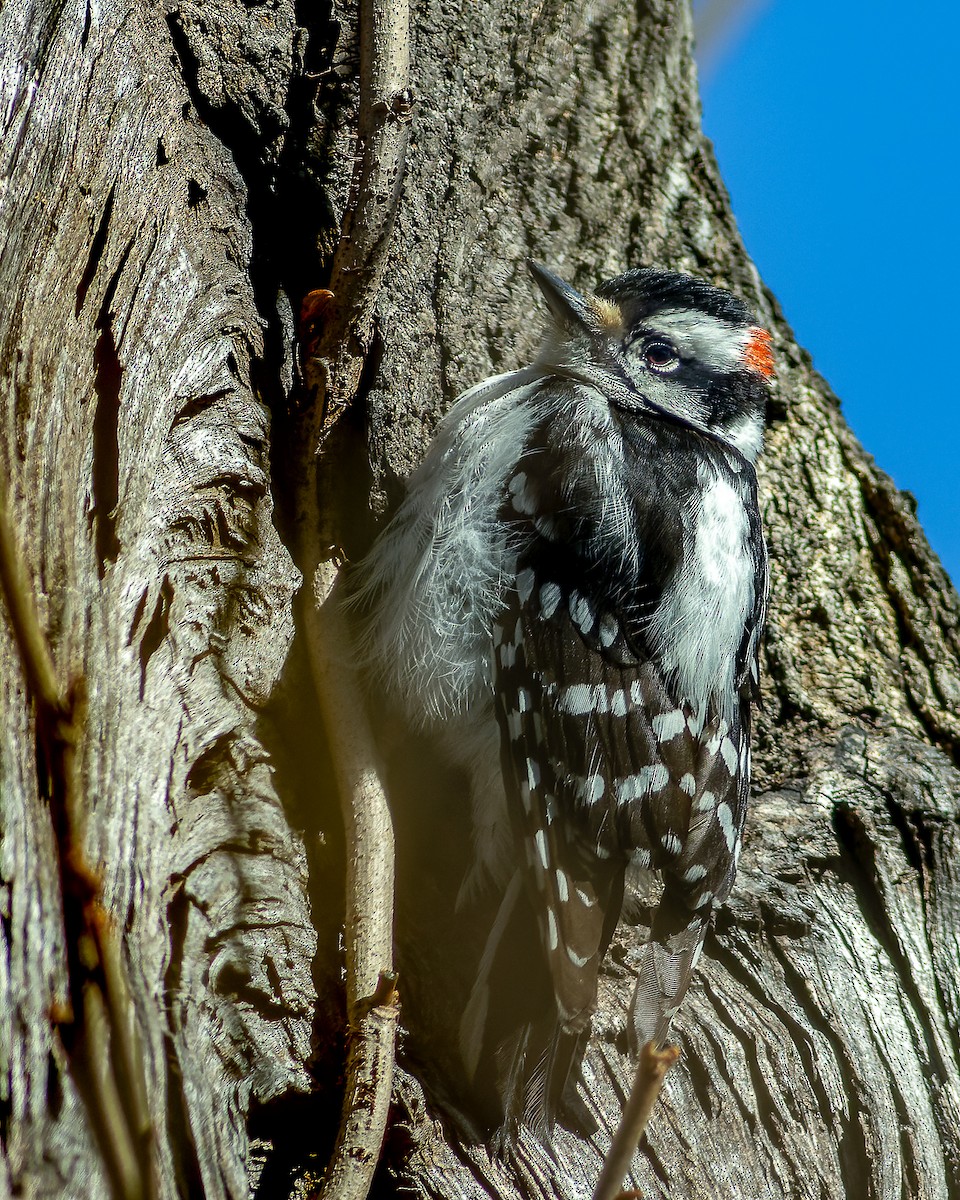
x=172, y=186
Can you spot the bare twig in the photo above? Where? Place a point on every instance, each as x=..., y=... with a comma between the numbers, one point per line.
x=372, y=1038
x=333, y=365
x=97, y=1025
x=652, y=1067
x=371, y=1004
x=332, y=371
x=34, y=652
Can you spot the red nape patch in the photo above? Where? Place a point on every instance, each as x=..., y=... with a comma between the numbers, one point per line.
x=757, y=354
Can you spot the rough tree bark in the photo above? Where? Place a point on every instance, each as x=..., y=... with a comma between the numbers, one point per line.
x=172, y=183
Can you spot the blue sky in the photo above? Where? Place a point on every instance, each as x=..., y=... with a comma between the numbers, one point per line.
x=836, y=128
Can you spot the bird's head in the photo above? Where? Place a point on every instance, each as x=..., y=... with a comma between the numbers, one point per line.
x=665, y=344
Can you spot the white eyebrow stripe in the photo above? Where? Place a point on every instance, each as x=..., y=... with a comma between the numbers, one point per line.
x=710, y=340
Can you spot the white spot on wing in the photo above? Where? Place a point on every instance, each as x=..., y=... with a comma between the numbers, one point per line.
x=525, y=585
x=725, y=818
x=563, y=890
x=540, y=838
x=688, y=784
x=668, y=725
x=646, y=780
x=713, y=745
x=576, y=700
x=609, y=628
x=728, y=753
x=549, y=599
x=589, y=789
x=581, y=612
x=521, y=496
x=671, y=843
x=695, y=873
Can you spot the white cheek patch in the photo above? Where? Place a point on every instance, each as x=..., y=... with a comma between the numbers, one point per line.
x=710, y=340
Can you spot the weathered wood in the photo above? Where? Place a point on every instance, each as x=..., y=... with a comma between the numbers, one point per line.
x=136, y=454
x=171, y=190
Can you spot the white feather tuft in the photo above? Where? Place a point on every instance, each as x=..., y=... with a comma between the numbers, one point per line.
x=444, y=562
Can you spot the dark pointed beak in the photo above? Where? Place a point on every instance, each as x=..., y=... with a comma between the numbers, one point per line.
x=565, y=302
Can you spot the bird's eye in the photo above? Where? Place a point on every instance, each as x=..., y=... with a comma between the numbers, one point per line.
x=661, y=356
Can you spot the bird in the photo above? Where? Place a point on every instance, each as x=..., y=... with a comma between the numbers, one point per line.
x=571, y=597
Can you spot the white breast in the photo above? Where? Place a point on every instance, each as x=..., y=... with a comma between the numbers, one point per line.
x=699, y=624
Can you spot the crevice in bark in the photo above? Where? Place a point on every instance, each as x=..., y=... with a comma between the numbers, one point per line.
x=196, y=193
x=186, y=1162
x=156, y=630
x=87, y=17
x=748, y=1117
x=701, y=1083
x=909, y=1173
x=6, y=1111
x=105, y=475
x=859, y=859
x=54, y=1088
x=852, y=1150
x=656, y=1164
x=297, y=1133
x=97, y=247
x=198, y=404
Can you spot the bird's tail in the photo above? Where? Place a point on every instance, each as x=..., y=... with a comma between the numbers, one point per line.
x=538, y=1068
x=665, y=966
x=521, y=1059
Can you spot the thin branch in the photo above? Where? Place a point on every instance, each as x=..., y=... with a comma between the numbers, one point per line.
x=333, y=366
x=332, y=372
x=367, y=1101
x=34, y=652
x=371, y=1011
x=652, y=1067
x=97, y=1025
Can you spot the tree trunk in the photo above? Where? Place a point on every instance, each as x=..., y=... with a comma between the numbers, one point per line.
x=173, y=185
